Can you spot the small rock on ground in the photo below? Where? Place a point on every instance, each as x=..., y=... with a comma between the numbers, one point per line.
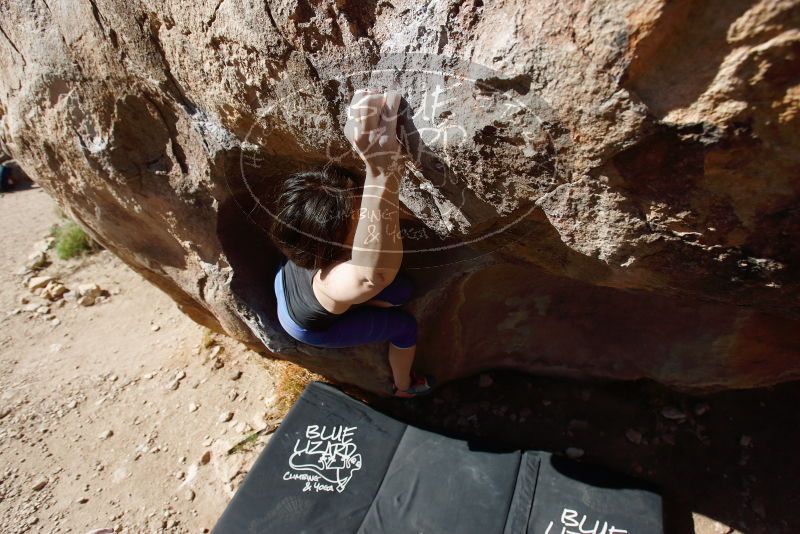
x=673, y=414
x=634, y=436
x=574, y=453
x=225, y=417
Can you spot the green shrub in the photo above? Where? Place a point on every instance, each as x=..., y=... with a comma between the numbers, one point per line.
x=71, y=241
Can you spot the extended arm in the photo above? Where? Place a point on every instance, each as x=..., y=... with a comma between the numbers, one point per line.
x=377, y=244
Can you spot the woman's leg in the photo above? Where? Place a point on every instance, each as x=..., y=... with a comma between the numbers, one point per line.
x=368, y=324
x=401, y=361
x=395, y=294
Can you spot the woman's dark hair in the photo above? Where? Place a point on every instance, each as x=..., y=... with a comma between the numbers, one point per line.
x=313, y=216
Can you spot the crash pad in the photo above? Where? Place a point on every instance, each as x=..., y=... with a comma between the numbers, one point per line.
x=335, y=465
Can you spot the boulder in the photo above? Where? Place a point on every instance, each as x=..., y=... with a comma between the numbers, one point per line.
x=36, y=261
x=42, y=246
x=86, y=300
x=54, y=290
x=89, y=290
x=40, y=282
x=602, y=189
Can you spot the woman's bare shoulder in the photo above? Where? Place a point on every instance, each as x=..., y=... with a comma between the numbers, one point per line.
x=352, y=284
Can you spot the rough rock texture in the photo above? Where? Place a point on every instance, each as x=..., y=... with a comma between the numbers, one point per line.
x=623, y=177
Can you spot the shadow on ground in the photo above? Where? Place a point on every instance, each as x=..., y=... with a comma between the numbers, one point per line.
x=733, y=457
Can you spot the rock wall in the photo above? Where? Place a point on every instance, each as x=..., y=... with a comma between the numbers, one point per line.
x=599, y=189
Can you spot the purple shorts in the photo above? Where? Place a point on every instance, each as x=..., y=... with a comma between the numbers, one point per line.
x=360, y=324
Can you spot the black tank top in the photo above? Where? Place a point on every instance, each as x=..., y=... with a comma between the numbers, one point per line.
x=301, y=303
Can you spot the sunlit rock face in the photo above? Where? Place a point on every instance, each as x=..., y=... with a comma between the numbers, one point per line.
x=597, y=189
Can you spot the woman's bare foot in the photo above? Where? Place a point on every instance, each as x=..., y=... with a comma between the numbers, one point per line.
x=420, y=385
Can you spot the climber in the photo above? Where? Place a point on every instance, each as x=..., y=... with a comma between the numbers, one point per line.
x=6, y=178
x=340, y=284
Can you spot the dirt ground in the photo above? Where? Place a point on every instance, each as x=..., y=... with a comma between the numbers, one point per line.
x=92, y=435
x=87, y=412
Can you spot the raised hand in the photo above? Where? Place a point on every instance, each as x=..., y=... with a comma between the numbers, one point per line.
x=371, y=127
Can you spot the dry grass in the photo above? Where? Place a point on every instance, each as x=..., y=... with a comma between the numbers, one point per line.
x=209, y=338
x=247, y=444
x=290, y=381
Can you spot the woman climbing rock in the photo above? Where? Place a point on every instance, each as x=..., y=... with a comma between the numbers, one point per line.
x=340, y=284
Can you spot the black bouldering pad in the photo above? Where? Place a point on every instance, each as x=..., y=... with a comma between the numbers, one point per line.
x=336, y=465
